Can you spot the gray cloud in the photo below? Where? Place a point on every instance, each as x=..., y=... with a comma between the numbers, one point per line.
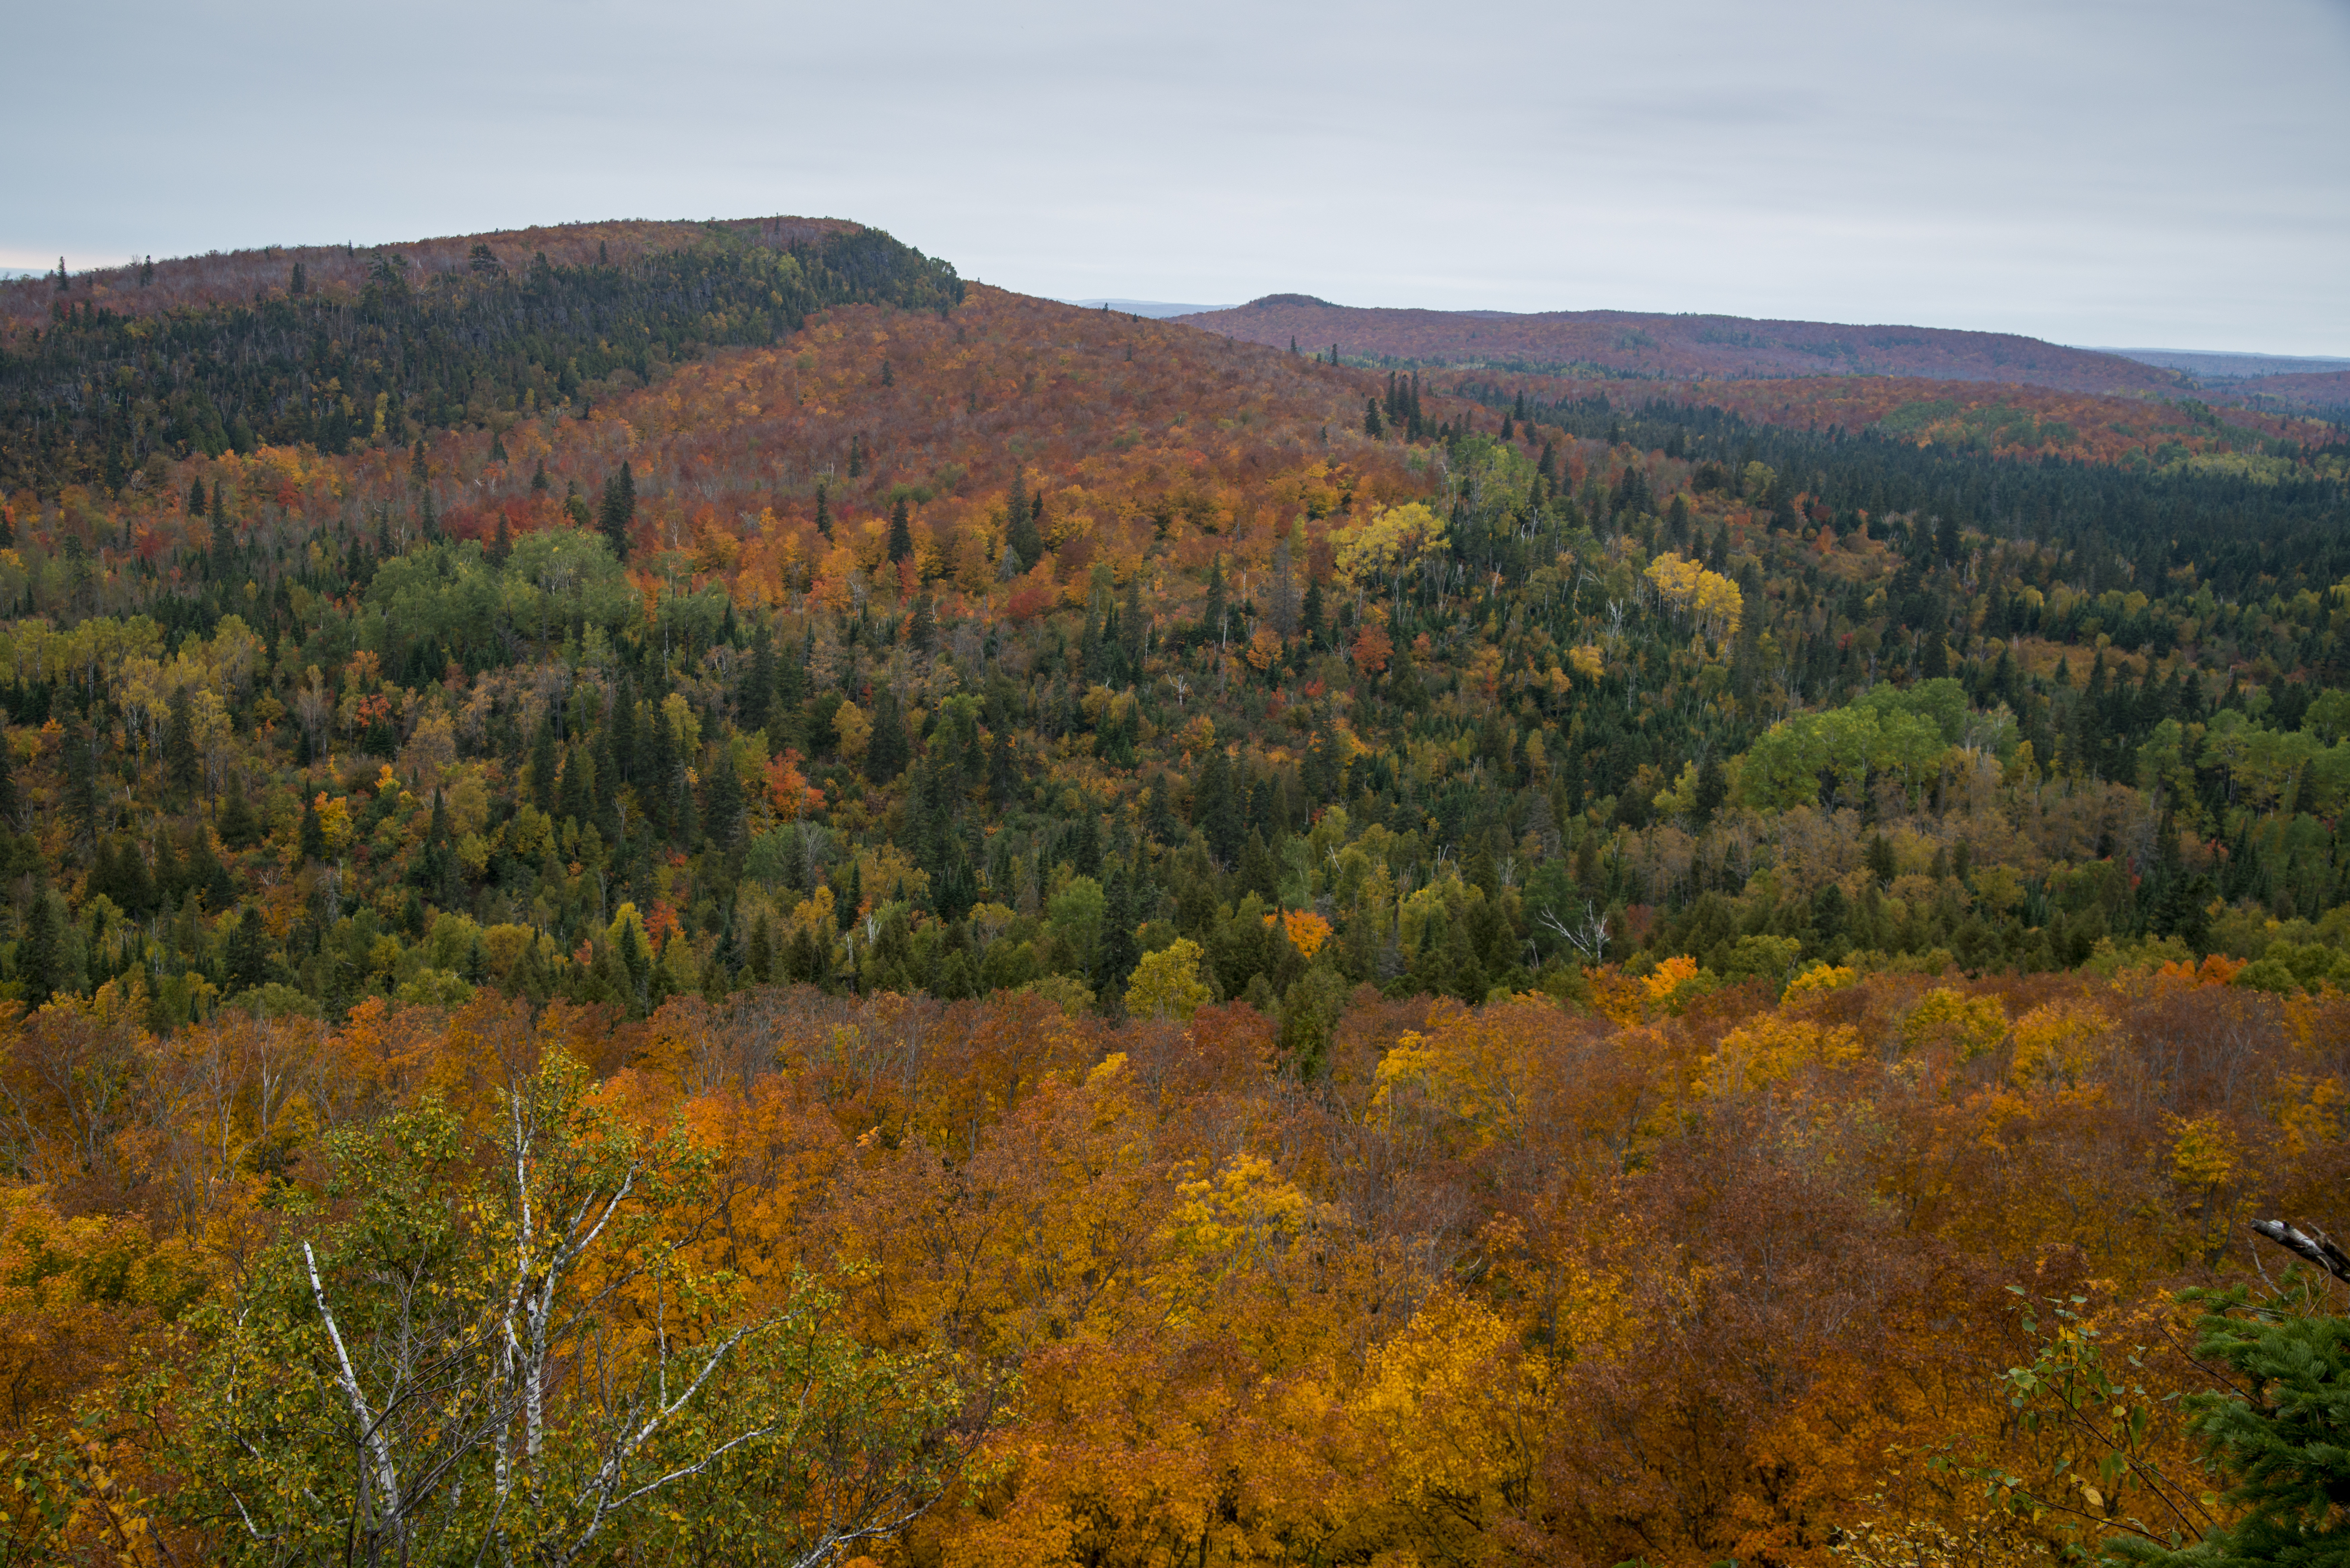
x=2153, y=172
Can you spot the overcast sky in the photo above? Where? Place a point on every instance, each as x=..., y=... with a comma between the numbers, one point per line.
x=2154, y=174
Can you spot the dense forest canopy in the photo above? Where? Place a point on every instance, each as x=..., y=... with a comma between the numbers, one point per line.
x=917, y=924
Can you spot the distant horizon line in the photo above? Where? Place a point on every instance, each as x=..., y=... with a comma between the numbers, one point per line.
x=1162, y=309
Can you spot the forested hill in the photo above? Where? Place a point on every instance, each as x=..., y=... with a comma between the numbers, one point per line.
x=336, y=348
x=1618, y=343
x=1122, y=946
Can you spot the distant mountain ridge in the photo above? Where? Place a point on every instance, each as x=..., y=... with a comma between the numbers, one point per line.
x=1641, y=345
x=2207, y=365
x=1152, y=310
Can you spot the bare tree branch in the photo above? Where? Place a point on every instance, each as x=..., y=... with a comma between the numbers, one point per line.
x=2316, y=1248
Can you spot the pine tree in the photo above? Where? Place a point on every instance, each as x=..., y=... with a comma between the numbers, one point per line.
x=437, y=872
x=762, y=958
x=1134, y=629
x=82, y=787
x=902, y=534
x=618, y=513
x=2279, y=1430
x=722, y=801
x=542, y=768
x=575, y=798
x=248, y=952
x=886, y=751
x=1019, y=536
x=822, y=509
x=238, y=825
x=1120, y=952
x=1713, y=789
x=1374, y=423
x=538, y=478
x=1283, y=592
x=757, y=695
x=41, y=952
x=1215, y=805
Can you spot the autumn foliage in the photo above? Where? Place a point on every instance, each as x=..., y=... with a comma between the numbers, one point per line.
x=1728, y=1276
x=953, y=929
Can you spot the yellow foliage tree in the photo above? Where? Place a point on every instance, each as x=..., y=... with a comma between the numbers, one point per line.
x=1387, y=544
x=1167, y=983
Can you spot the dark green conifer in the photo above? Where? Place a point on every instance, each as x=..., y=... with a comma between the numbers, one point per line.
x=722, y=801
x=618, y=513
x=902, y=534
x=1019, y=517
x=248, y=952
x=41, y=950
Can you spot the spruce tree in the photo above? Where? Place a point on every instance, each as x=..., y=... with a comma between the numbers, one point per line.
x=901, y=535
x=248, y=952
x=238, y=825
x=758, y=694
x=1019, y=536
x=618, y=513
x=41, y=952
x=542, y=762
x=722, y=801
x=81, y=788
x=575, y=797
x=1215, y=805
x=762, y=957
x=2281, y=1429
x=1120, y=952
x=182, y=765
x=885, y=751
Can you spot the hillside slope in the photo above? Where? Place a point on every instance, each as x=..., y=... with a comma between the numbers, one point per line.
x=1633, y=344
x=338, y=349
x=2326, y=393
